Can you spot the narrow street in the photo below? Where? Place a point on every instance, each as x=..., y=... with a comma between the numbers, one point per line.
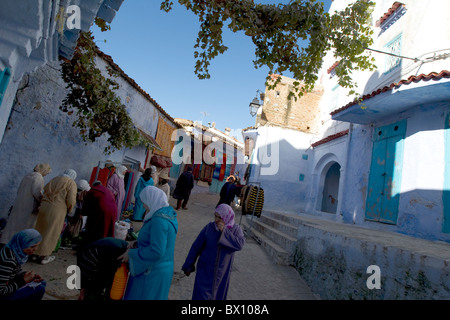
x=255, y=276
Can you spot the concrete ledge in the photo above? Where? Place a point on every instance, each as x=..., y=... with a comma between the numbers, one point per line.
x=333, y=259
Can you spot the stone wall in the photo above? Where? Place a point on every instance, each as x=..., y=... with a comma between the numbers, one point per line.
x=300, y=114
x=333, y=259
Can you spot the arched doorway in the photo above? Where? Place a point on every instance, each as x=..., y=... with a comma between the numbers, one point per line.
x=330, y=190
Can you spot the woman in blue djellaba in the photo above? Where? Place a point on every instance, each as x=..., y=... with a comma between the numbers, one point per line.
x=151, y=262
x=144, y=181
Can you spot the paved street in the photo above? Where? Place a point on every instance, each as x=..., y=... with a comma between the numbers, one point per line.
x=255, y=276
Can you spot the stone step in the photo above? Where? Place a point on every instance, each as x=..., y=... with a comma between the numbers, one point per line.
x=279, y=254
x=284, y=227
x=279, y=237
x=290, y=219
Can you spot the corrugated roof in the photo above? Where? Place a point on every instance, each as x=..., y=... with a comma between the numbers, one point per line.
x=422, y=77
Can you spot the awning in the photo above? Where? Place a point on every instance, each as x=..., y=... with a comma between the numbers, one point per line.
x=161, y=161
x=149, y=138
x=396, y=98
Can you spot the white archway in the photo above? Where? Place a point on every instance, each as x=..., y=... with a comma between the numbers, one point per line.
x=327, y=175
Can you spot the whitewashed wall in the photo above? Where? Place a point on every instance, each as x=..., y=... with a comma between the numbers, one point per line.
x=283, y=168
x=39, y=132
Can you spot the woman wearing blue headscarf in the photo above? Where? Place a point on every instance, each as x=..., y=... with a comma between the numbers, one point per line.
x=16, y=284
x=144, y=181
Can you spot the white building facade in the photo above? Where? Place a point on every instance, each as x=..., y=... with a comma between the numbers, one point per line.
x=382, y=163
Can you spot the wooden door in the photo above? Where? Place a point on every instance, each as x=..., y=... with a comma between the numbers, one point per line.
x=385, y=173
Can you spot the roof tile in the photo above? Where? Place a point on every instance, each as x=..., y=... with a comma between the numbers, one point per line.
x=422, y=77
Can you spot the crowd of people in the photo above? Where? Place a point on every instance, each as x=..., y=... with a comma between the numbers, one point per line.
x=42, y=215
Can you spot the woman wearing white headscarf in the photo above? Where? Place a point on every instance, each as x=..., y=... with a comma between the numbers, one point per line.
x=25, y=208
x=117, y=185
x=60, y=197
x=151, y=263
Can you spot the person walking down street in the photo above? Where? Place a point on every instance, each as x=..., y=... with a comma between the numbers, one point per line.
x=101, y=211
x=214, y=248
x=98, y=264
x=24, y=211
x=117, y=185
x=59, y=199
x=151, y=262
x=144, y=181
x=228, y=191
x=183, y=188
x=16, y=284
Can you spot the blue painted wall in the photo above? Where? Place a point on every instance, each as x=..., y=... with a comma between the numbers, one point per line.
x=422, y=196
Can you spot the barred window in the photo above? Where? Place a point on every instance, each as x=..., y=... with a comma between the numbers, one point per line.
x=394, y=47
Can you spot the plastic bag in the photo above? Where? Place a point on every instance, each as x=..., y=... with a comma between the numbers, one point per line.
x=121, y=230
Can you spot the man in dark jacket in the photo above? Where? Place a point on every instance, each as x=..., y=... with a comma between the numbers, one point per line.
x=228, y=191
x=183, y=188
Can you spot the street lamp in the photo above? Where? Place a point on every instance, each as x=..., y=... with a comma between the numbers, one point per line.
x=255, y=104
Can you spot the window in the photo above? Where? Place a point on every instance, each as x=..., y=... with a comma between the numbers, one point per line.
x=4, y=80
x=334, y=97
x=394, y=47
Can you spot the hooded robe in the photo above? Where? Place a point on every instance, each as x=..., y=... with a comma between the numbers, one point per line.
x=151, y=263
x=60, y=198
x=101, y=211
x=24, y=212
x=215, y=253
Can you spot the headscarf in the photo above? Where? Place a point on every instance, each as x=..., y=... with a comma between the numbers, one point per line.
x=227, y=214
x=154, y=198
x=22, y=240
x=70, y=173
x=121, y=171
x=83, y=185
x=43, y=168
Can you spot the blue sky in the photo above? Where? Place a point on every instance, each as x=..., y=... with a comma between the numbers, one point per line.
x=156, y=49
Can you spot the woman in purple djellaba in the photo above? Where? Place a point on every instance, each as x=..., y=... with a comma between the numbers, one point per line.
x=214, y=248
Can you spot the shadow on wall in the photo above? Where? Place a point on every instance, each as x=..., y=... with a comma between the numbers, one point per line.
x=380, y=80
x=287, y=186
x=38, y=132
x=419, y=213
